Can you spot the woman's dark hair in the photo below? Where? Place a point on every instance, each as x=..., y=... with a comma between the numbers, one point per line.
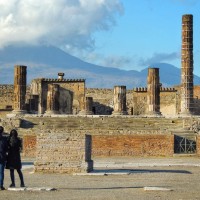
x=13, y=133
x=1, y=129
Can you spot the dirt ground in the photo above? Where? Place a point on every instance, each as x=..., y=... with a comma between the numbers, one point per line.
x=183, y=181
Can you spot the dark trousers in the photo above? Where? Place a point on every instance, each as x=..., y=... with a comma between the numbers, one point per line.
x=12, y=176
x=2, y=167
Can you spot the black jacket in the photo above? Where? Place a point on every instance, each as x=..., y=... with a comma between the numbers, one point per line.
x=3, y=149
x=14, y=159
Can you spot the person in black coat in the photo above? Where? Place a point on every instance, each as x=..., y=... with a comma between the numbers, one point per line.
x=3, y=154
x=14, y=159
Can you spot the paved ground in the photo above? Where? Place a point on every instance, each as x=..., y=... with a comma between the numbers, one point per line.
x=180, y=175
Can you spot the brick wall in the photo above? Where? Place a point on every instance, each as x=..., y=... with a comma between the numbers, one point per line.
x=29, y=146
x=133, y=145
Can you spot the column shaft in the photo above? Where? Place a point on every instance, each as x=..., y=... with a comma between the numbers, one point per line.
x=120, y=100
x=153, y=91
x=19, y=89
x=187, y=65
x=53, y=99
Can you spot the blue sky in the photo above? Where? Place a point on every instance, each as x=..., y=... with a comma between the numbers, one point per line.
x=149, y=31
x=126, y=34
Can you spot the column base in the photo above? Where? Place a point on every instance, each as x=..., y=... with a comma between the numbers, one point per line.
x=51, y=112
x=185, y=114
x=154, y=114
x=16, y=113
x=120, y=113
x=84, y=112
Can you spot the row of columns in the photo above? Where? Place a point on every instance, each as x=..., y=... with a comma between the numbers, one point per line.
x=153, y=97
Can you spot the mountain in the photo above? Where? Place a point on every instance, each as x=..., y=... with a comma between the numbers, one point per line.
x=43, y=61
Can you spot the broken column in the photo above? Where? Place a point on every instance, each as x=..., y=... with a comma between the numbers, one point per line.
x=19, y=89
x=87, y=110
x=88, y=105
x=119, y=100
x=53, y=99
x=153, y=92
x=187, y=65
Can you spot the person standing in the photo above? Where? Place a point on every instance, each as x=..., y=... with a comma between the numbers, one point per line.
x=14, y=158
x=3, y=154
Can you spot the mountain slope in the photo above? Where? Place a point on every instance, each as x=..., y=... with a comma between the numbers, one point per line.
x=48, y=61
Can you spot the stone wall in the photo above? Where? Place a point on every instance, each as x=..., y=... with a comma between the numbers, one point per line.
x=62, y=141
x=6, y=97
x=197, y=100
x=63, y=152
x=103, y=100
x=71, y=98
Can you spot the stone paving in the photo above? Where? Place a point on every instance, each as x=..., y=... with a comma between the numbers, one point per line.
x=148, y=181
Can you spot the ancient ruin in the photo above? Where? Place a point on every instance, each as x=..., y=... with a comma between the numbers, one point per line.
x=19, y=89
x=187, y=65
x=119, y=100
x=65, y=125
x=153, y=91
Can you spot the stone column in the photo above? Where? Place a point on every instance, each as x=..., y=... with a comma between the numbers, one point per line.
x=19, y=89
x=119, y=100
x=88, y=105
x=53, y=99
x=187, y=65
x=87, y=110
x=153, y=92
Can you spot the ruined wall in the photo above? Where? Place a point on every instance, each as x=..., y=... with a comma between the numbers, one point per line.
x=169, y=101
x=111, y=135
x=29, y=146
x=196, y=100
x=133, y=145
x=6, y=96
x=63, y=152
x=103, y=100
x=72, y=93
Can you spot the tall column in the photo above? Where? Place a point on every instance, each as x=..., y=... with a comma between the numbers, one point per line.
x=187, y=65
x=153, y=91
x=119, y=100
x=53, y=99
x=19, y=89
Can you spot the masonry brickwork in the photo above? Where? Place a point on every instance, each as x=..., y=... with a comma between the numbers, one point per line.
x=110, y=135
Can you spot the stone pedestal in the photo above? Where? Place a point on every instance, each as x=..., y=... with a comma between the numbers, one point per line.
x=120, y=100
x=19, y=89
x=153, y=92
x=187, y=66
x=53, y=99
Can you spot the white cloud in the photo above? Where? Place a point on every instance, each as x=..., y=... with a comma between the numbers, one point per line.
x=159, y=57
x=64, y=23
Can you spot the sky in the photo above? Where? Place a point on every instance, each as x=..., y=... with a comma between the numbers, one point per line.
x=126, y=34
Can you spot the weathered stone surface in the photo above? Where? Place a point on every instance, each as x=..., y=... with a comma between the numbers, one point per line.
x=153, y=91
x=187, y=65
x=119, y=100
x=63, y=152
x=53, y=95
x=71, y=98
x=19, y=89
